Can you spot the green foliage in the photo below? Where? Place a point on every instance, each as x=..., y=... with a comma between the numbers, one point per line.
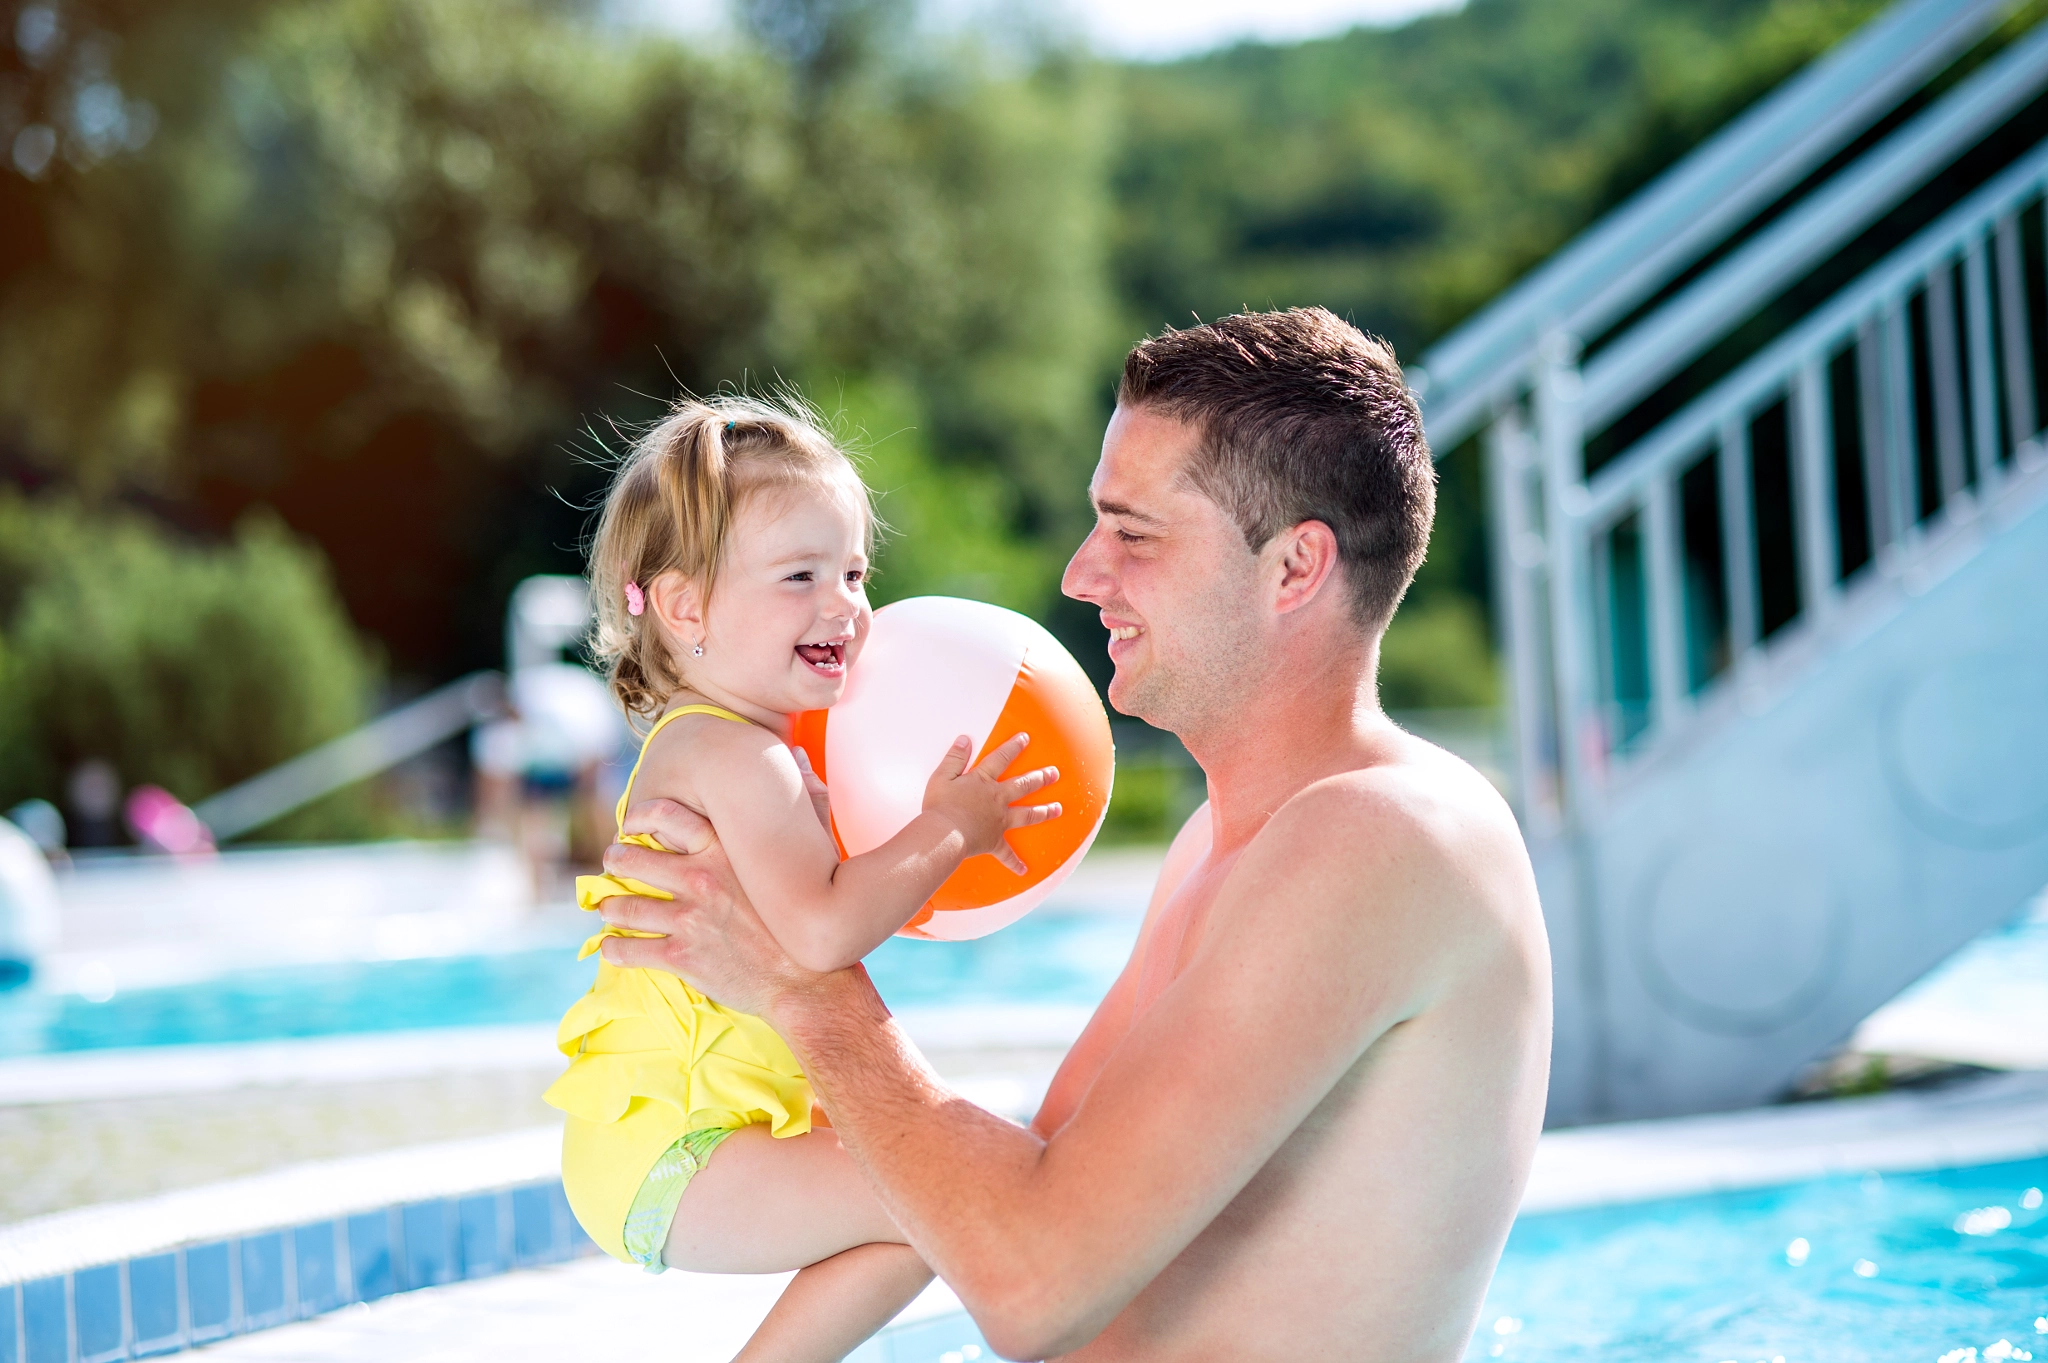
x=374, y=264
x=185, y=666
x=1403, y=177
x=948, y=530
x=1155, y=792
x=406, y=248
x=1436, y=657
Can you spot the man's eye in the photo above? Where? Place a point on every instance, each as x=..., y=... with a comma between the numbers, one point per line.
x=1127, y=537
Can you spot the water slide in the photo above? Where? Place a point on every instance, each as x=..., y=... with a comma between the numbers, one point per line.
x=1776, y=625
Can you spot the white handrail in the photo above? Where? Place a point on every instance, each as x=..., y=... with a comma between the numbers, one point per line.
x=1692, y=322
x=382, y=743
x=1682, y=435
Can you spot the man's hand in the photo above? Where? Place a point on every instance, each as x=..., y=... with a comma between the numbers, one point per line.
x=711, y=936
x=675, y=826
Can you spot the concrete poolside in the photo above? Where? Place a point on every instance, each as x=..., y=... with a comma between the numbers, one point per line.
x=97, y=1125
x=595, y=1305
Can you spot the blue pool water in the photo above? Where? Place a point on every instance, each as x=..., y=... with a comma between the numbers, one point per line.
x=1852, y=1270
x=1046, y=958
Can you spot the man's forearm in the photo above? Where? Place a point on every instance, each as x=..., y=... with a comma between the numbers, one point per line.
x=958, y=1180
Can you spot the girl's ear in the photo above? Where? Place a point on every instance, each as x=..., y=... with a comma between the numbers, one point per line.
x=674, y=600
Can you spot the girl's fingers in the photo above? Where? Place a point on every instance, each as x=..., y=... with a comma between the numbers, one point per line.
x=1007, y=855
x=956, y=758
x=1023, y=816
x=1030, y=783
x=999, y=759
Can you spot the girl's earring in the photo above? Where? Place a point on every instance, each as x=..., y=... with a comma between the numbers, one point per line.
x=697, y=651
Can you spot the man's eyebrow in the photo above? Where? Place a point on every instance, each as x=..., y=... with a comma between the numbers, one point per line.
x=1128, y=512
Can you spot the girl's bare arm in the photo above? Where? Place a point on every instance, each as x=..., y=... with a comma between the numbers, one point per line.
x=826, y=913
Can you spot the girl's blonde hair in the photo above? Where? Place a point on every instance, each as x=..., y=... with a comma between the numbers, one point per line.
x=671, y=509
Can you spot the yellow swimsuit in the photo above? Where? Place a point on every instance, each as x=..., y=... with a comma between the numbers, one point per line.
x=658, y=1075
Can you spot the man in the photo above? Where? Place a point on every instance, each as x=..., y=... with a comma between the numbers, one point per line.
x=1299, y=1124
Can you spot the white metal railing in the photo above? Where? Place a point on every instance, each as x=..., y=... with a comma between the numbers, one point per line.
x=1834, y=214
x=382, y=743
x=1633, y=597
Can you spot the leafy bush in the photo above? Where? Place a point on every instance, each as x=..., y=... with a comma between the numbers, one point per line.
x=188, y=666
x=951, y=530
x=1436, y=657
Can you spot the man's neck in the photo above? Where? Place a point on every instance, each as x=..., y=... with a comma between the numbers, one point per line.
x=1300, y=724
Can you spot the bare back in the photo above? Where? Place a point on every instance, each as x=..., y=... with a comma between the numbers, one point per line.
x=1387, y=1205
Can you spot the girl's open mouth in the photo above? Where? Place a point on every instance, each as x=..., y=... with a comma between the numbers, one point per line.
x=829, y=659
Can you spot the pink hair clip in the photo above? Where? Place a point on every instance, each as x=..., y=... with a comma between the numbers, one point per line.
x=636, y=601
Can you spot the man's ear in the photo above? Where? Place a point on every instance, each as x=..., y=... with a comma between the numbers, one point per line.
x=1306, y=560
x=679, y=606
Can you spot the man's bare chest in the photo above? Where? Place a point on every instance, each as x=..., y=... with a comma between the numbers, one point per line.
x=1177, y=933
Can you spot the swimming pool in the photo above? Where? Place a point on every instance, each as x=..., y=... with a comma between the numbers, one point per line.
x=1069, y=958
x=1920, y=1267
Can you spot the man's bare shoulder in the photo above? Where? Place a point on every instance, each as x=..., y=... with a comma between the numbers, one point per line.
x=1420, y=838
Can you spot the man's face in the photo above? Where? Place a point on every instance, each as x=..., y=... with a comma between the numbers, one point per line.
x=1176, y=584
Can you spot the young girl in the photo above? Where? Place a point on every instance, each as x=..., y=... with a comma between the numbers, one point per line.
x=728, y=572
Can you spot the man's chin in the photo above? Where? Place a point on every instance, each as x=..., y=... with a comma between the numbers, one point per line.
x=1128, y=696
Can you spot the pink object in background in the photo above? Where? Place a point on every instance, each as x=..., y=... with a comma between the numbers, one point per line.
x=162, y=823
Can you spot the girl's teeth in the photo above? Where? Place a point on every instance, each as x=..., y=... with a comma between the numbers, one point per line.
x=826, y=656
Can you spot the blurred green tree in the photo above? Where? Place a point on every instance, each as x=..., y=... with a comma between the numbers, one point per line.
x=374, y=263
x=379, y=259
x=186, y=666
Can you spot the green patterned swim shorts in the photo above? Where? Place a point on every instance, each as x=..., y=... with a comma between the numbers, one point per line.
x=654, y=1206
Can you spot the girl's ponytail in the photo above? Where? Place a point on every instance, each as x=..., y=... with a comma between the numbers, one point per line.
x=691, y=466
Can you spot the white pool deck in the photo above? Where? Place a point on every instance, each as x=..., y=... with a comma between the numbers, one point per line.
x=563, y=1311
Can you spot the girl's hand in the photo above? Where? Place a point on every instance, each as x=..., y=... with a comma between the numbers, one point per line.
x=982, y=805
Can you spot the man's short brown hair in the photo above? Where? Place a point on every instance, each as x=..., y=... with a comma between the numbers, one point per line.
x=1301, y=417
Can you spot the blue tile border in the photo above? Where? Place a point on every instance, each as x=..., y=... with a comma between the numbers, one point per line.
x=167, y=1302
x=98, y=1317
x=46, y=1320
x=153, y=1311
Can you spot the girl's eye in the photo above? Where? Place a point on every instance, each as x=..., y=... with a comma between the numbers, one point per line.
x=804, y=576
x=856, y=577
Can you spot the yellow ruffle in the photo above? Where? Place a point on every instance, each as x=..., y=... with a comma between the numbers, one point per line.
x=644, y=1034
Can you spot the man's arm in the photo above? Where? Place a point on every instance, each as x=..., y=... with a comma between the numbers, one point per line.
x=1112, y=1017
x=1301, y=968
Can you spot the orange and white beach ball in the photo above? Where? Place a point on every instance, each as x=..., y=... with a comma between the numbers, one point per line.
x=936, y=667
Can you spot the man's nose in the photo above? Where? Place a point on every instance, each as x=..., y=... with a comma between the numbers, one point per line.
x=1087, y=577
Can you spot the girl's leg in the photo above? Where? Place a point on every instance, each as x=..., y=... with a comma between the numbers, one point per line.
x=762, y=1205
x=830, y=1307
x=766, y=1206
